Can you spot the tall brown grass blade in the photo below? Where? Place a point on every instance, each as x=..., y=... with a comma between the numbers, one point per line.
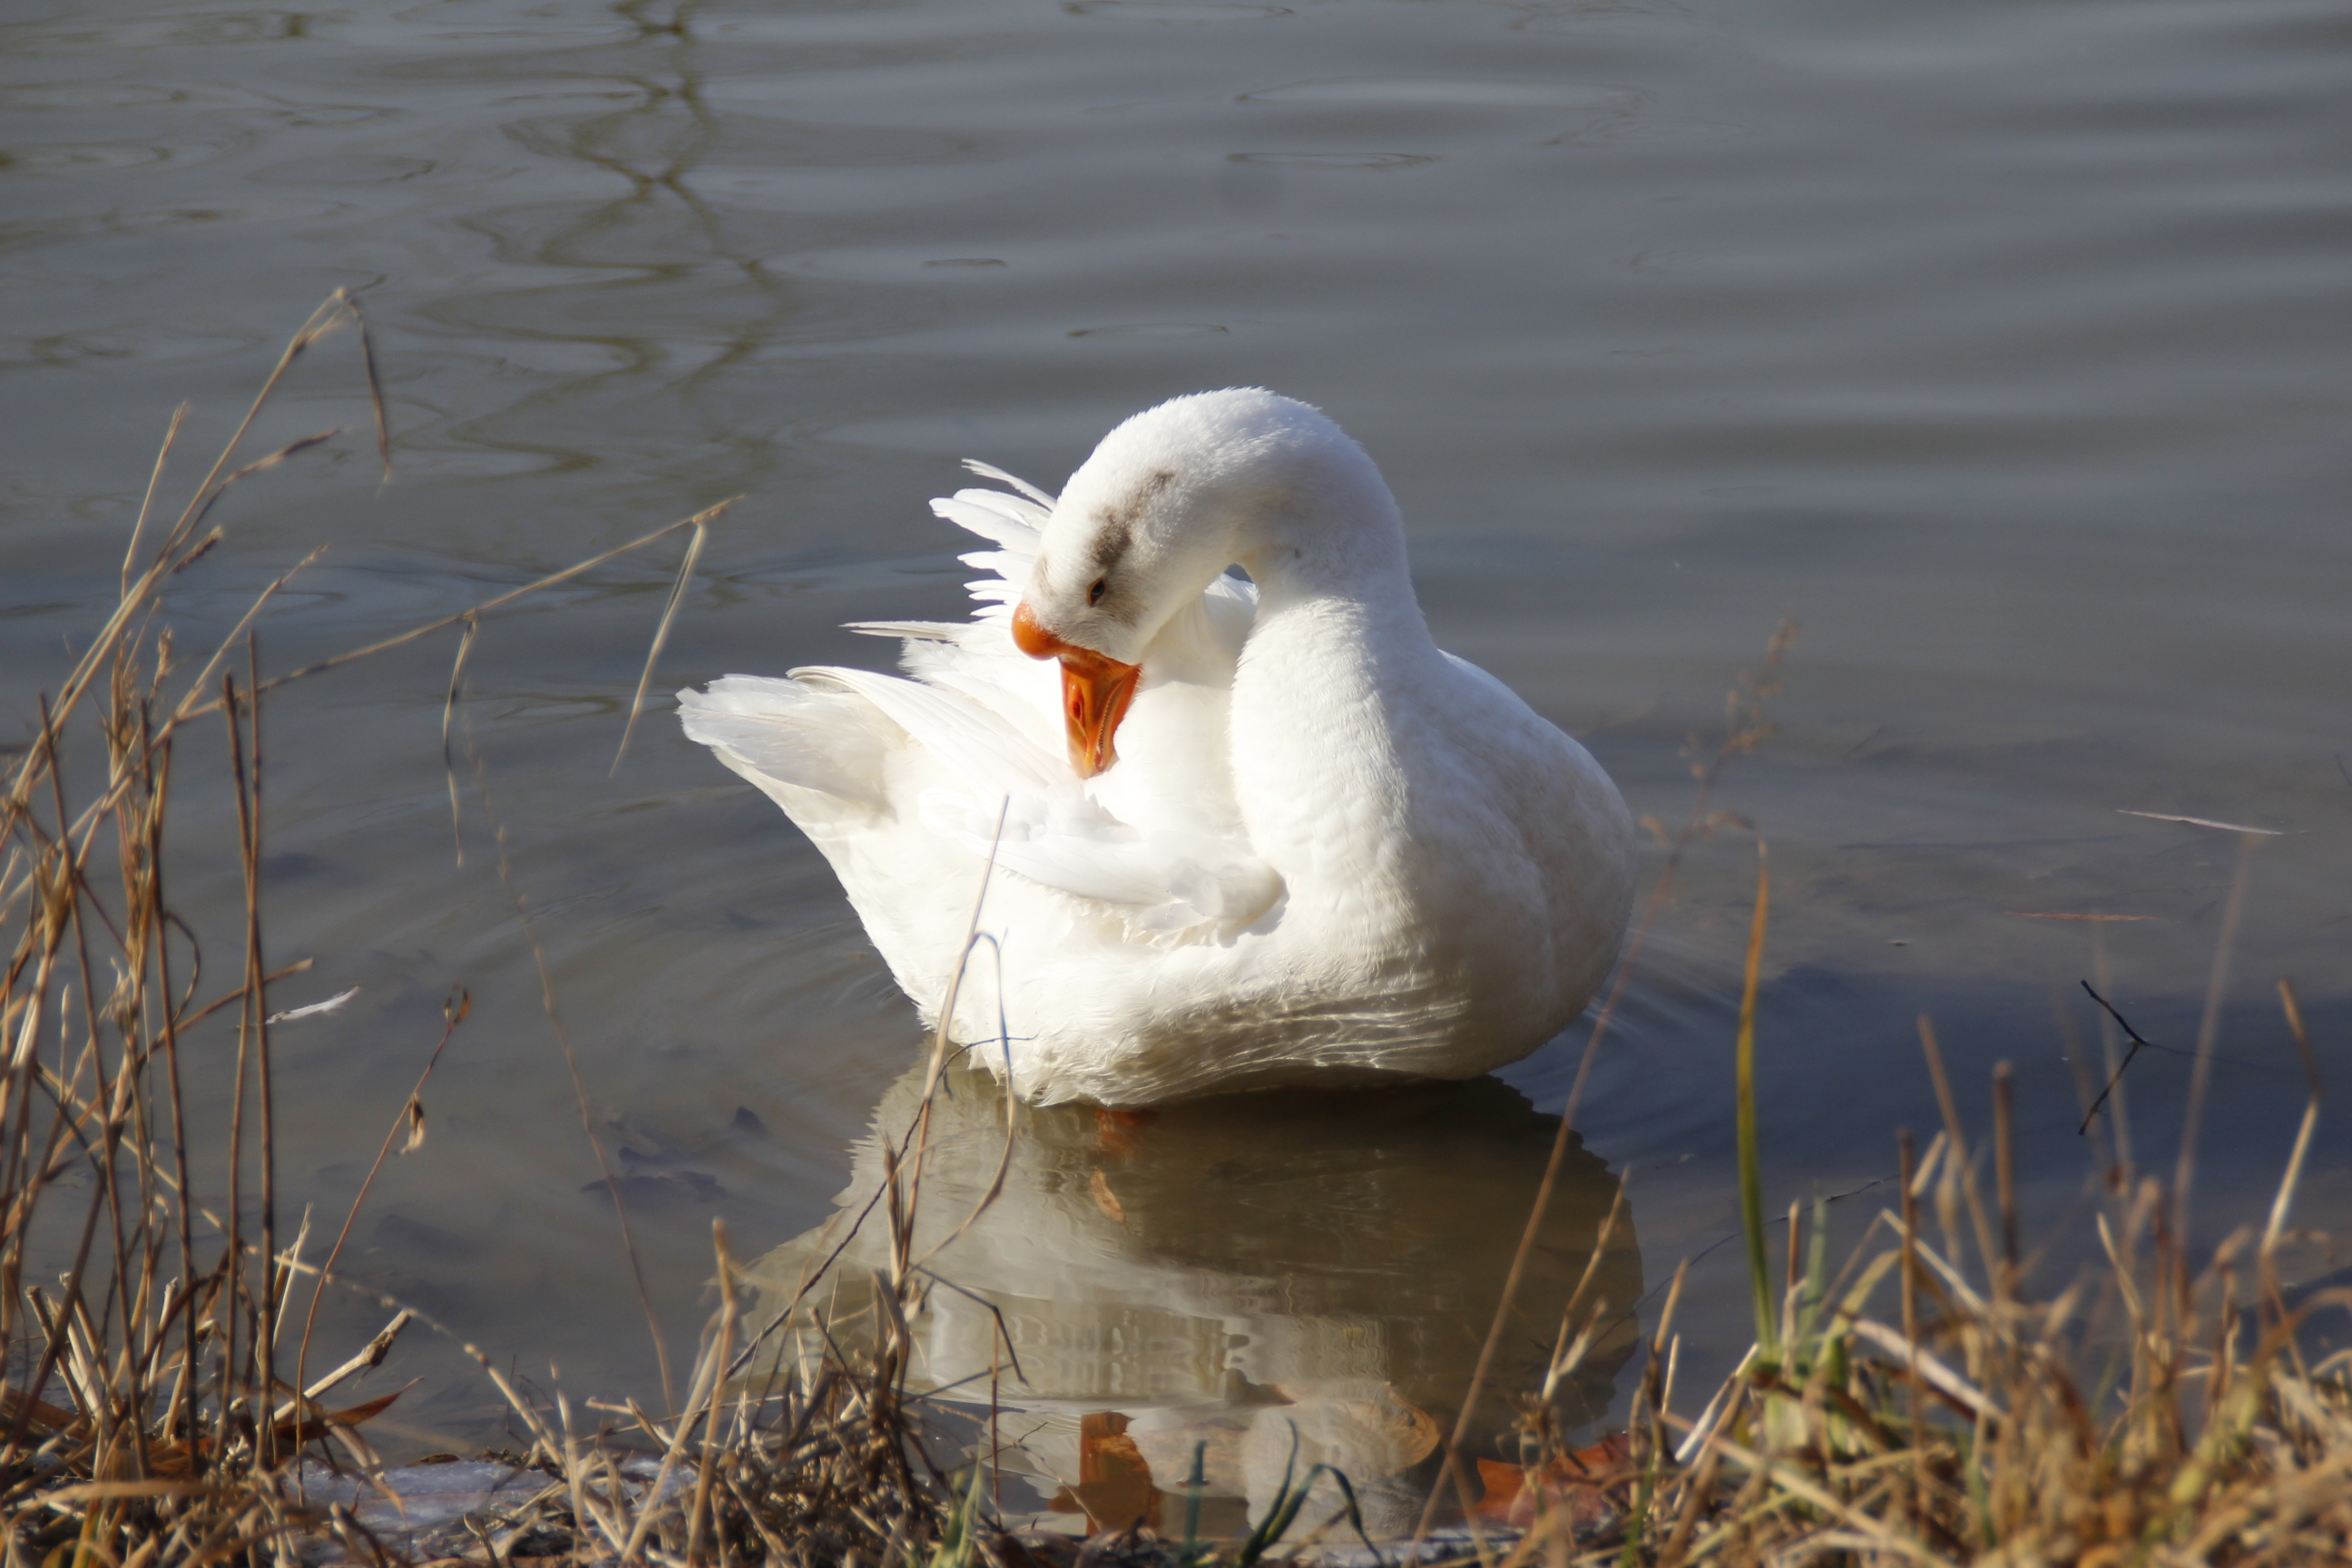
x=138, y=593
x=1599, y=1254
x=147, y=502
x=239, y=997
x=2209, y=1030
x=706, y=1389
x=375, y=386
x=903, y=1262
x=453, y=1013
x=371, y=1355
x=496, y=602
x=2274, y=1226
x=1918, y=1411
x=720, y=1353
x=2004, y=1165
x=157, y=755
x=1752, y=1180
x=266, y=1332
x=2293, y=1007
x=188, y=708
x=701, y=522
x=248, y=1016
x=330, y=314
x=1955, y=1161
x=448, y=709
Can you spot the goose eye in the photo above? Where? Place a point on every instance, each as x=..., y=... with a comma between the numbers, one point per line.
x=1095, y=593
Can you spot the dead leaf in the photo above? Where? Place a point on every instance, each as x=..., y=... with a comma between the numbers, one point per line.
x=350, y=1415
x=45, y=1418
x=415, y=1140
x=1114, y=1488
x=1106, y=1200
x=1581, y=1483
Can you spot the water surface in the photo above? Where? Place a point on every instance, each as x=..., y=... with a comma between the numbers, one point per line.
x=2002, y=346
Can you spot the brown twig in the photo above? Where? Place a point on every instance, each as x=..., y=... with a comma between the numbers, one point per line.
x=453, y=1013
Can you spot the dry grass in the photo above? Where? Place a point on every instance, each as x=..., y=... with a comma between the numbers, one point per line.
x=159, y=1406
x=1920, y=1409
x=157, y=1401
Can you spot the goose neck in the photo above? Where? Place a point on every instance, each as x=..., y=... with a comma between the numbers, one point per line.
x=1349, y=553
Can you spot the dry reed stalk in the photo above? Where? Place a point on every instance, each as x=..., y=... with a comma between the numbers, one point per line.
x=410, y=1117
x=2209, y=1027
x=1975, y=1429
x=143, y=1421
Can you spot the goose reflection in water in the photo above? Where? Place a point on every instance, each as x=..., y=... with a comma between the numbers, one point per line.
x=1225, y=1273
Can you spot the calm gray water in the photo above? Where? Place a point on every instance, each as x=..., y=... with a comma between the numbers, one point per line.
x=2002, y=345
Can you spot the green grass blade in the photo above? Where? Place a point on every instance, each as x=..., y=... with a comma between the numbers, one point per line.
x=1815, y=1289
x=1279, y=1512
x=1192, y=1488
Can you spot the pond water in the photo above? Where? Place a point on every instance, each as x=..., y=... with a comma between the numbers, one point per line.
x=2004, y=347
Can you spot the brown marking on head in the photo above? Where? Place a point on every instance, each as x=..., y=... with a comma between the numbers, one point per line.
x=1106, y=594
x=1115, y=534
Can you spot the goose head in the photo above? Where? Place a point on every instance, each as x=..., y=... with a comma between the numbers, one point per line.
x=1169, y=499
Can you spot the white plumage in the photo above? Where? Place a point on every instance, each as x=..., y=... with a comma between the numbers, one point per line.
x=1328, y=851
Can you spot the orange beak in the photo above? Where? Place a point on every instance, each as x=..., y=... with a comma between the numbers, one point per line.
x=1096, y=690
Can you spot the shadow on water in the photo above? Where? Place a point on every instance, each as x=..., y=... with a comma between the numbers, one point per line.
x=1224, y=1272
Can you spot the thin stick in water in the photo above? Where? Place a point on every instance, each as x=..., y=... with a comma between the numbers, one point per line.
x=2116, y=1068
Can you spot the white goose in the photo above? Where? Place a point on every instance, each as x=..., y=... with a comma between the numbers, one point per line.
x=1258, y=833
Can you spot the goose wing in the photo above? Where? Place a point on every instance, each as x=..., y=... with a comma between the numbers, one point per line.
x=988, y=721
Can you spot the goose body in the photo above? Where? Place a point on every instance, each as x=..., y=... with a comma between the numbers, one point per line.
x=1248, y=833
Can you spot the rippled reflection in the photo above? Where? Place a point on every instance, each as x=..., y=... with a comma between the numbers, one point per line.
x=1224, y=1272
x=654, y=275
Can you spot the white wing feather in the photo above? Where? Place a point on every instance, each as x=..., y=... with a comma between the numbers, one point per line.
x=991, y=720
